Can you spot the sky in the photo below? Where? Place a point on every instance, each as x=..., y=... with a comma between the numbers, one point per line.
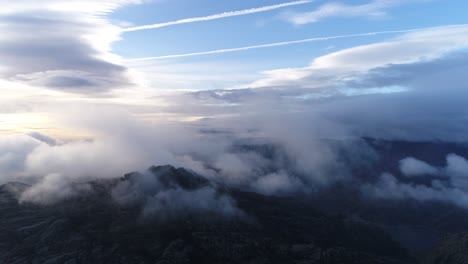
x=326, y=19
x=136, y=52
x=125, y=84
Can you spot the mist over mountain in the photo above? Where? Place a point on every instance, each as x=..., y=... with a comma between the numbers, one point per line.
x=203, y=228
x=175, y=215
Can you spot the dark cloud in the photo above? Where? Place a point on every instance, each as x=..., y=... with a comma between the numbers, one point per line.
x=43, y=138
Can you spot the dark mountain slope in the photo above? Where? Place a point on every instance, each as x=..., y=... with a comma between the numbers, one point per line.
x=452, y=250
x=94, y=228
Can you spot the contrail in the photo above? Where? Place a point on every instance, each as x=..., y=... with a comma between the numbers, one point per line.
x=218, y=16
x=285, y=43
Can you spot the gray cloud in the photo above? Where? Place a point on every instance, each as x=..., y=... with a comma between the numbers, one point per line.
x=389, y=187
x=14, y=151
x=457, y=169
x=62, y=50
x=413, y=167
x=166, y=198
x=450, y=185
x=170, y=203
x=457, y=166
x=43, y=138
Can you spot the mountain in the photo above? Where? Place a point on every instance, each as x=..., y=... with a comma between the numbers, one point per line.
x=94, y=228
x=417, y=225
x=452, y=250
x=174, y=215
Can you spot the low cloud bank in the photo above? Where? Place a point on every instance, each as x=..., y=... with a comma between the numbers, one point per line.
x=450, y=186
x=166, y=192
x=269, y=152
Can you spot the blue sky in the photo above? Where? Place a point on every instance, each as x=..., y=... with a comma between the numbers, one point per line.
x=261, y=28
x=265, y=27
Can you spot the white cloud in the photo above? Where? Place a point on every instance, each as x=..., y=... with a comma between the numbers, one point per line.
x=218, y=16
x=83, y=6
x=286, y=43
x=411, y=47
x=373, y=9
x=121, y=144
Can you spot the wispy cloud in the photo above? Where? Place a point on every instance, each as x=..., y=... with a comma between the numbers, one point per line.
x=218, y=16
x=285, y=43
x=411, y=47
x=374, y=8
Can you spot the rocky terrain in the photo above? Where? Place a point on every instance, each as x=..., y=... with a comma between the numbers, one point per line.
x=453, y=250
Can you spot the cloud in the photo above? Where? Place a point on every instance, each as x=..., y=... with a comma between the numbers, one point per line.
x=63, y=46
x=413, y=167
x=217, y=16
x=277, y=183
x=281, y=144
x=457, y=166
x=278, y=162
x=285, y=43
x=14, y=151
x=416, y=101
x=161, y=193
x=450, y=186
x=343, y=65
x=373, y=9
x=388, y=187
x=170, y=203
x=457, y=169
x=82, y=6
x=53, y=188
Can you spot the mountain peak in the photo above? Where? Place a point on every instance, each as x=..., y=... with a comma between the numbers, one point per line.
x=172, y=177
